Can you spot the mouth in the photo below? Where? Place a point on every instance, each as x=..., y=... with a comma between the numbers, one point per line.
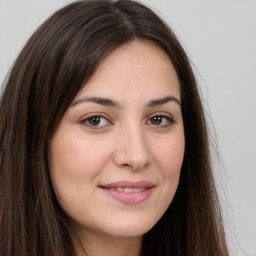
x=129, y=192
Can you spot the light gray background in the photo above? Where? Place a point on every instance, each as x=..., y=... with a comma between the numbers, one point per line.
x=220, y=38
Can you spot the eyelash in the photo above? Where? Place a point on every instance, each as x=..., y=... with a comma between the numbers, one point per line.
x=85, y=122
x=170, y=120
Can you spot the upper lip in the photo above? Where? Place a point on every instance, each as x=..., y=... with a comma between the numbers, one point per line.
x=129, y=184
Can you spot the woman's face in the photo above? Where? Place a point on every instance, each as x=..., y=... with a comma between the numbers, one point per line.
x=117, y=152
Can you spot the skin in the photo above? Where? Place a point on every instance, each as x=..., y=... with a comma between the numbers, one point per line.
x=125, y=144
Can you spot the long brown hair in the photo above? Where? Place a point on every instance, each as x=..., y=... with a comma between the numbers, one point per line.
x=49, y=72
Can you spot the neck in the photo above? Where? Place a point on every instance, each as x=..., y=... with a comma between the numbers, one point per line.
x=102, y=245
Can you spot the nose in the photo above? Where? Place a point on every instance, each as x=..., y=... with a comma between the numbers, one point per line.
x=132, y=150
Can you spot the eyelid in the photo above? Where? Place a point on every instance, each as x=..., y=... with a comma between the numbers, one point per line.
x=101, y=115
x=164, y=115
x=169, y=117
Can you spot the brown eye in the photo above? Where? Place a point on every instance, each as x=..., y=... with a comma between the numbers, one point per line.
x=94, y=121
x=161, y=121
x=156, y=120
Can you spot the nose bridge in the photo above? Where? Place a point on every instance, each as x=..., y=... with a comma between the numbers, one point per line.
x=132, y=149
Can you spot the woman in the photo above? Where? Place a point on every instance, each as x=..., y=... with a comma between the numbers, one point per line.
x=104, y=145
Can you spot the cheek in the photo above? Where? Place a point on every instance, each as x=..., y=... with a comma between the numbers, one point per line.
x=75, y=163
x=169, y=159
x=169, y=156
x=77, y=157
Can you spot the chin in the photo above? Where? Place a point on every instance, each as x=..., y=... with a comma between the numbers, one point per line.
x=126, y=228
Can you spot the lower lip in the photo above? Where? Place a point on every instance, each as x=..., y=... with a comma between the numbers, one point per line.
x=129, y=198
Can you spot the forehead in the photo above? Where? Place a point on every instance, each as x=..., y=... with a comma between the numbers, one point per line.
x=138, y=68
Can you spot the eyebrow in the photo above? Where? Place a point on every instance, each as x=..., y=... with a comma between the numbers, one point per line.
x=112, y=103
x=98, y=100
x=162, y=101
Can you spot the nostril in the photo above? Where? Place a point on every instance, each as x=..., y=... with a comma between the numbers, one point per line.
x=132, y=151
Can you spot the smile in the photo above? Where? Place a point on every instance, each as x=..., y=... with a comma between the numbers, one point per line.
x=129, y=192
